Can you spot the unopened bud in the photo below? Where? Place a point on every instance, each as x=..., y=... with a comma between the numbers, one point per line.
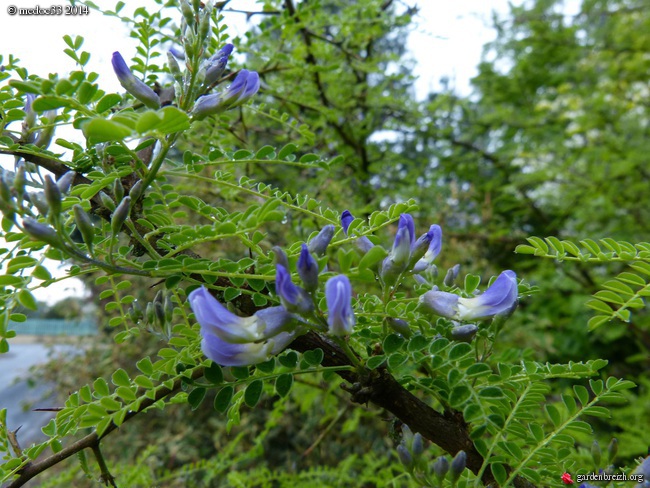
x=417, y=447
x=65, y=181
x=41, y=232
x=174, y=68
x=169, y=308
x=85, y=226
x=107, y=201
x=318, y=245
x=452, y=274
x=151, y=313
x=120, y=215
x=400, y=326
x=19, y=181
x=118, y=190
x=464, y=333
x=612, y=450
x=458, y=465
x=440, y=468
x=136, y=191
x=405, y=456
x=160, y=312
x=38, y=200
x=52, y=197
x=280, y=257
x=188, y=12
x=308, y=269
x=596, y=453
x=5, y=190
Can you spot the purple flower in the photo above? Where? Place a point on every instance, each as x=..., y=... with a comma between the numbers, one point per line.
x=216, y=65
x=498, y=299
x=293, y=298
x=243, y=87
x=229, y=354
x=217, y=320
x=338, y=294
x=395, y=263
x=644, y=468
x=363, y=243
x=133, y=85
x=308, y=269
x=464, y=333
x=432, y=240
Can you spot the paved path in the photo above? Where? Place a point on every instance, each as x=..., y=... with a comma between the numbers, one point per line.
x=19, y=395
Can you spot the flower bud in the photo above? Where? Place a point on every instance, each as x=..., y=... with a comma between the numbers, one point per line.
x=293, y=298
x=120, y=215
x=174, y=67
x=41, y=232
x=280, y=257
x=338, y=295
x=169, y=308
x=118, y=190
x=38, y=200
x=458, y=465
x=188, y=12
x=136, y=191
x=417, y=447
x=65, y=181
x=405, y=456
x=400, y=326
x=596, y=453
x=44, y=136
x=52, y=197
x=159, y=310
x=133, y=85
x=216, y=65
x=107, y=201
x=5, y=190
x=318, y=245
x=452, y=274
x=464, y=333
x=19, y=181
x=151, y=313
x=440, y=468
x=308, y=269
x=30, y=119
x=85, y=226
x=612, y=450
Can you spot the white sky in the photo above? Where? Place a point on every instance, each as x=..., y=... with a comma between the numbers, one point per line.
x=447, y=40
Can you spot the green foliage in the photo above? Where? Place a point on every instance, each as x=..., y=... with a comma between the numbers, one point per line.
x=162, y=203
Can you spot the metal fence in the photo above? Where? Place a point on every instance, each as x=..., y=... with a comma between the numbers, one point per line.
x=54, y=327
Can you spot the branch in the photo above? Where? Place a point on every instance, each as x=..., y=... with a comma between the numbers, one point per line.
x=448, y=430
x=91, y=440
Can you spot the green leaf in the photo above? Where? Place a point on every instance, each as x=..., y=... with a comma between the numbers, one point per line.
x=287, y=150
x=372, y=257
x=459, y=351
x=314, y=357
x=102, y=130
x=223, y=398
x=472, y=282
x=283, y=384
x=101, y=387
x=500, y=473
x=121, y=378
x=392, y=343
x=44, y=103
x=145, y=365
x=253, y=393
x=289, y=360
x=375, y=361
x=196, y=397
x=214, y=374
x=553, y=414
x=107, y=102
x=459, y=395
x=27, y=300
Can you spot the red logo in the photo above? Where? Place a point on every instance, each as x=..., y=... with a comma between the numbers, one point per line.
x=566, y=479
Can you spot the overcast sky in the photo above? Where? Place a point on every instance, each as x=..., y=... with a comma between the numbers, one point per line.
x=446, y=40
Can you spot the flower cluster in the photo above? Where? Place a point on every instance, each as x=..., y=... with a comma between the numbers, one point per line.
x=231, y=340
x=244, y=86
x=411, y=256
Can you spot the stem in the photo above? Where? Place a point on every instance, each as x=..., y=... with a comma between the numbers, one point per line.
x=106, y=477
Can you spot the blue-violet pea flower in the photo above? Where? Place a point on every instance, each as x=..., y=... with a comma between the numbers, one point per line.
x=498, y=299
x=228, y=354
x=217, y=320
x=434, y=239
x=318, y=245
x=338, y=295
x=216, y=65
x=308, y=269
x=245, y=85
x=293, y=298
x=363, y=243
x=133, y=85
x=398, y=258
x=644, y=469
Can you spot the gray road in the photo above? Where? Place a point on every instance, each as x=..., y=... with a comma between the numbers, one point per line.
x=19, y=395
